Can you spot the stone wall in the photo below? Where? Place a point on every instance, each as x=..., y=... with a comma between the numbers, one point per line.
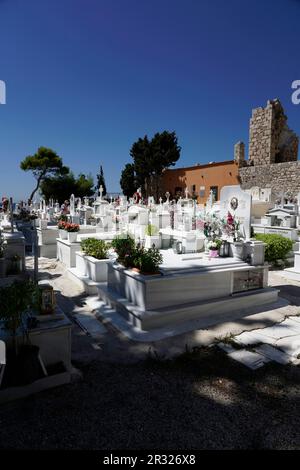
x=239, y=154
x=270, y=139
x=278, y=176
x=273, y=152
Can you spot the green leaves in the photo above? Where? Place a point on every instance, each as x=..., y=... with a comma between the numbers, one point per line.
x=277, y=247
x=96, y=248
x=101, y=181
x=127, y=181
x=123, y=245
x=151, y=230
x=150, y=158
x=60, y=187
x=14, y=301
x=44, y=162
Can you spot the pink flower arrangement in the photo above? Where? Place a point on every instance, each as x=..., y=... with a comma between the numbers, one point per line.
x=200, y=224
x=231, y=226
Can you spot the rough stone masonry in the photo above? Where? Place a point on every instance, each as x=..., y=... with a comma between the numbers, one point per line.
x=273, y=152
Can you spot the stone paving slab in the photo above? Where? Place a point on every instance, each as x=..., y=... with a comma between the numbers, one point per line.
x=250, y=359
x=90, y=324
x=288, y=328
x=280, y=343
x=290, y=345
x=273, y=354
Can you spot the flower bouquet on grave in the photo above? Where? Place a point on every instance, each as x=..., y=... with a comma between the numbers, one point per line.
x=72, y=228
x=231, y=228
x=231, y=231
x=210, y=225
x=213, y=248
x=61, y=225
x=62, y=229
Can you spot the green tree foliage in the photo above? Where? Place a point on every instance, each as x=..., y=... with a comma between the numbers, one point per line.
x=127, y=181
x=61, y=187
x=142, y=158
x=15, y=299
x=83, y=186
x=44, y=163
x=151, y=157
x=101, y=181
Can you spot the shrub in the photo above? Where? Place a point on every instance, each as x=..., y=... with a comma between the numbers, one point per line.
x=151, y=230
x=150, y=260
x=123, y=245
x=96, y=248
x=15, y=300
x=147, y=261
x=277, y=247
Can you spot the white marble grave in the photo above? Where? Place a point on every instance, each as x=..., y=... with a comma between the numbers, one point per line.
x=236, y=201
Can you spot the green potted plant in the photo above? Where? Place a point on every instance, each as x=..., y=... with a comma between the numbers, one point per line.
x=145, y=261
x=123, y=245
x=72, y=230
x=152, y=237
x=16, y=300
x=150, y=261
x=231, y=228
x=93, y=260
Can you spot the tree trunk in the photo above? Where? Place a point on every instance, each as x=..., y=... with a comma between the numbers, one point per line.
x=37, y=186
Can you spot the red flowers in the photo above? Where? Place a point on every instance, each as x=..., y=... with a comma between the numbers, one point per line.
x=68, y=227
x=230, y=219
x=61, y=225
x=71, y=227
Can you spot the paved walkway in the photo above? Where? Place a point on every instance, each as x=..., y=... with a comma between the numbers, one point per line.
x=93, y=340
x=200, y=400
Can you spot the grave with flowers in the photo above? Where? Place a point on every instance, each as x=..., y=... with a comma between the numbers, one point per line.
x=226, y=279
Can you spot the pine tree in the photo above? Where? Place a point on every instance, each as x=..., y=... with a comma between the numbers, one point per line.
x=101, y=181
x=128, y=181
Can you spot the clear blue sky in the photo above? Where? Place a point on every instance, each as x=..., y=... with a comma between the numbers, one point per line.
x=88, y=77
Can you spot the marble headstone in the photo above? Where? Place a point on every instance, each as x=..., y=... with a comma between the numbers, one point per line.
x=236, y=201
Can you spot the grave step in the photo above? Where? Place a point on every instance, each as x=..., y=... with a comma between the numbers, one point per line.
x=210, y=312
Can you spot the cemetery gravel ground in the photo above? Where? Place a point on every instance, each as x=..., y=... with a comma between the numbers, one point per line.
x=201, y=400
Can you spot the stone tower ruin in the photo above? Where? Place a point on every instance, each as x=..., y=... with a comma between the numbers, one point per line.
x=273, y=152
x=270, y=139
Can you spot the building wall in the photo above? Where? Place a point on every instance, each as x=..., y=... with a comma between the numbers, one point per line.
x=202, y=177
x=278, y=176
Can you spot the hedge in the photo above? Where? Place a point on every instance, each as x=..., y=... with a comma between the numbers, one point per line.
x=277, y=246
